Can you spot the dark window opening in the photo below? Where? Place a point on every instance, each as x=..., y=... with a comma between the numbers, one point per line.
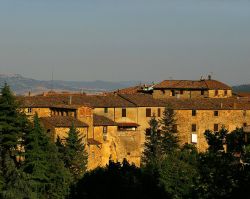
x=244, y=124
x=216, y=93
x=181, y=92
x=124, y=112
x=159, y=112
x=216, y=127
x=193, y=112
x=106, y=110
x=202, y=92
x=173, y=92
x=148, y=112
x=216, y=113
x=225, y=92
x=193, y=127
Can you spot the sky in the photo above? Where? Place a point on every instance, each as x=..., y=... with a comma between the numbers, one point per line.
x=117, y=40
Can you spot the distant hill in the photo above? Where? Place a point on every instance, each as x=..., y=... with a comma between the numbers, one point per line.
x=22, y=85
x=242, y=88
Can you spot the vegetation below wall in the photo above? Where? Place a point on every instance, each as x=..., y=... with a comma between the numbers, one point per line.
x=32, y=166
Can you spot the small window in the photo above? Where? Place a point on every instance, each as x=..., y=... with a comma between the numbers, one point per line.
x=244, y=124
x=194, y=138
x=202, y=92
x=193, y=112
x=216, y=92
x=159, y=112
x=29, y=110
x=163, y=91
x=124, y=112
x=181, y=92
x=225, y=92
x=193, y=127
x=216, y=127
x=128, y=153
x=106, y=110
x=216, y=113
x=148, y=112
x=173, y=92
x=105, y=129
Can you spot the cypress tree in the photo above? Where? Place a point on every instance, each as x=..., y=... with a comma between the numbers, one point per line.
x=75, y=155
x=169, y=137
x=152, y=153
x=16, y=184
x=47, y=174
x=13, y=124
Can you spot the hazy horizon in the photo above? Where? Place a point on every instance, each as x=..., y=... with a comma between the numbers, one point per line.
x=133, y=40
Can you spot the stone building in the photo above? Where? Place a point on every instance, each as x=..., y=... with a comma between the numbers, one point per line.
x=114, y=125
x=204, y=88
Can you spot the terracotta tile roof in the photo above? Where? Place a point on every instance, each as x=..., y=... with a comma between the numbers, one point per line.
x=244, y=94
x=130, y=90
x=63, y=121
x=143, y=100
x=95, y=101
x=208, y=104
x=192, y=84
x=128, y=124
x=100, y=120
x=92, y=141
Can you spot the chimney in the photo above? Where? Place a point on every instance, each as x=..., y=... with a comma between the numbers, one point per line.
x=29, y=93
x=209, y=77
x=70, y=99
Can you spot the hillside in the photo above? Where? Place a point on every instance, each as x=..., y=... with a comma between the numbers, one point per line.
x=242, y=88
x=22, y=85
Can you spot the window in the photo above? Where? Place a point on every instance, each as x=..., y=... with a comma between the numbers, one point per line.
x=124, y=112
x=173, y=92
x=216, y=92
x=105, y=130
x=202, y=92
x=216, y=127
x=163, y=91
x=29, y=110
x=244, y=124
x=193, y=112
x=193, y=127
x=225, y=92
x=181, y=92
x=148, y=112
x=194, y=138
x=216, y=113
x=159, y=112
x=106, y=110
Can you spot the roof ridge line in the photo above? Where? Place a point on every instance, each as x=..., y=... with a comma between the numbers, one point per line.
x=120, y=95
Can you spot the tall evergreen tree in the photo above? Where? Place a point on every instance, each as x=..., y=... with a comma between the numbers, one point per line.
x=13, y=124
x=75, y=155
x=152, y=154
x=168, y=131
x=16, y=184
x=47, y=175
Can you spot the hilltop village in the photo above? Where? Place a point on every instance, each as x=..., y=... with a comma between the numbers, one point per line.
x=114, y=124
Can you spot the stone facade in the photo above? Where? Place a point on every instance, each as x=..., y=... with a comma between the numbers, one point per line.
x=123, y=119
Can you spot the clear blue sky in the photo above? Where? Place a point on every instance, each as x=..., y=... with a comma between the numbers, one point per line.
x=147, y=40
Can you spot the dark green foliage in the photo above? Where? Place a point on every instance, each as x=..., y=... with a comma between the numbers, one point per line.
x=178, y=174
x=117, y=181
x=219, y=175
x=47, y=175
x=235, y=141
x=169, y=131
x=16, y=182
x=216, y=140
x=13, y=123
x=74, y=154
x=152, y=154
